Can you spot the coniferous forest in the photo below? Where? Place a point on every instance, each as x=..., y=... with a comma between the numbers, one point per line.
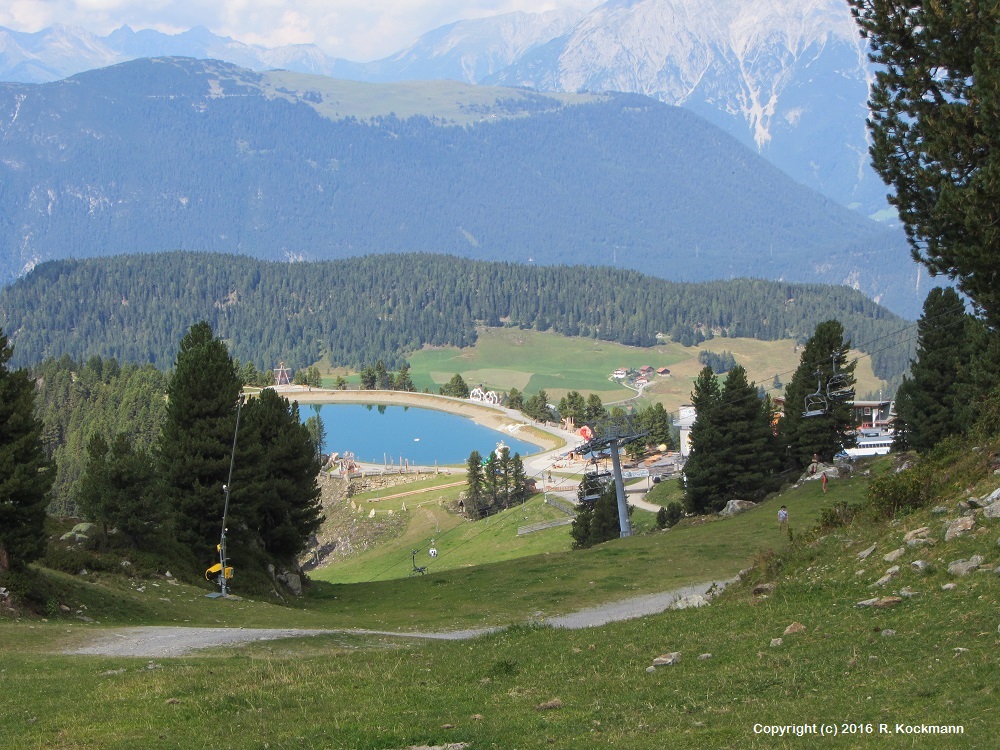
x=135, y=308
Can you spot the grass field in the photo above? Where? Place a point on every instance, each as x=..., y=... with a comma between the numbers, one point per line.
x=505, y=358
x=930, y=660
x=456, y=102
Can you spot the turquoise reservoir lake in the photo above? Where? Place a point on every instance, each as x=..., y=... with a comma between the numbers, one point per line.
x=421, y=436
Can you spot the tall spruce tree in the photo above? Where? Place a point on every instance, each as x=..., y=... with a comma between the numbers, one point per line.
x=595, y=411
x=197, y=438
x=750, y=450
x=275, y=498
x=118, y=491
x=596, y=520
x=26, y=475
x=383, y=380
x=826, y=433
x=92, y=492
x=474, y=493
x=928, y=401
x=456, y=387
x=403, y=381
x=656, y=422
x=518, y=480
x=705, y=476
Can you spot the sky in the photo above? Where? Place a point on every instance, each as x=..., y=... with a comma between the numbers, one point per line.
x=359, y=30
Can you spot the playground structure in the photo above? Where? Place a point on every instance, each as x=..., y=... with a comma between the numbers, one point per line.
x=484, y=397
x=282, y=375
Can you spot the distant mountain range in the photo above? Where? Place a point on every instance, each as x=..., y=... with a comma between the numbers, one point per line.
x=175, y=153
x=788, y=78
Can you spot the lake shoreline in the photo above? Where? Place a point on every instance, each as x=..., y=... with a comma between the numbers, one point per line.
x=547, y=438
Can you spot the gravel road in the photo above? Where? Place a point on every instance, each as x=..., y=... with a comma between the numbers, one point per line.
x=163, y=642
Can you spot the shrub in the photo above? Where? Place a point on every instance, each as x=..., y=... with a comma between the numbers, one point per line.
x=907, y=490
x=661, y=519
x=840, y=514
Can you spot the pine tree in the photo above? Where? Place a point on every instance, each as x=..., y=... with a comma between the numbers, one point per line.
x=605, y=523
x=503, y=473
x=580, y=529
x=383, y=380
x=518, y=480
x=750, y=453
x=197, y=438
x=474, y=492
x=573, y=406
x=93, y=491
x=369, y=378
x=704, y=480
x=317, y=433
x=456, y=387
x=827, y=433
x=275, y=496
x=118, y=491
x=657, y=423
x=402, y=381
x=928, y=401
x=661, y=518
x=515, y=400
x=26, y=475
x=595, y=410
x=934, y=128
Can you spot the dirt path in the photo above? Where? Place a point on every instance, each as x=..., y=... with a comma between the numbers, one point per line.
x=159, y=642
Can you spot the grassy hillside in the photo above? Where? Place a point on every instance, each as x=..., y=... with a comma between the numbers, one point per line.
x=505, y=358
x=866, y=672
x=449, y=102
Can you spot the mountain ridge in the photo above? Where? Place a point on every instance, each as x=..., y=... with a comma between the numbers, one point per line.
x=788, y=78
x=176, y=153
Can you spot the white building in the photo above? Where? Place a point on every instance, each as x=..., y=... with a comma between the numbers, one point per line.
x=686, y=416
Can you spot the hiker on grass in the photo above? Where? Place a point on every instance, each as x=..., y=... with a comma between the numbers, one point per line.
x=783, y=518
x=823, y=480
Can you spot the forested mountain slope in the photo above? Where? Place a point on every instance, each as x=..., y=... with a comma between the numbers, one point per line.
x=175, y=153
x=136, y=308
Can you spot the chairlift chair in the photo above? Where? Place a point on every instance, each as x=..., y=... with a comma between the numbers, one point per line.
x=596, y=482
x=838, y=387
x=417, y=570
x=816, y=403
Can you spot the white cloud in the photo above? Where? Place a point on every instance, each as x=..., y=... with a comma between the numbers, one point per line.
x=355, y=29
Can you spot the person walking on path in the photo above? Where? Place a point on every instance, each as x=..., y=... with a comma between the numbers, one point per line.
x=783, y=518
x=823, y=480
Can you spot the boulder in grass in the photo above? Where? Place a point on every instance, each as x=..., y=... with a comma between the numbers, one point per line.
x=964, y=567
x=667, y=660
x=888, y=601
x=894, y=555
x=735, y=507
x=959, y=527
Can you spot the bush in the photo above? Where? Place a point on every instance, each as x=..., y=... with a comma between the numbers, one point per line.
x=907, y=490
x=27, y=589
x=661, y=519
x=840, y=514
x=674, y=513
